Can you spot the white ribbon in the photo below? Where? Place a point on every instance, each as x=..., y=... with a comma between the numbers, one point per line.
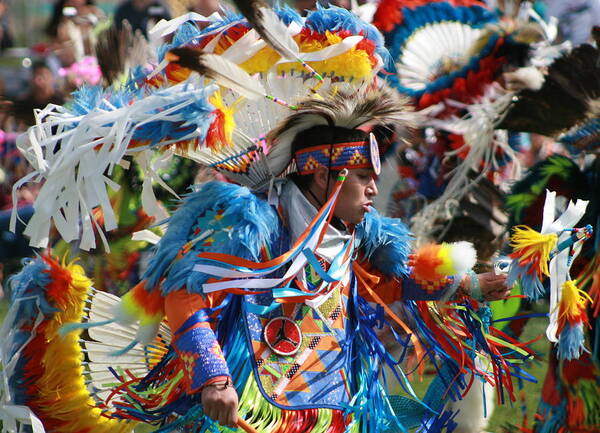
x=559, y=267
x=328, y=52
x=146, y=236
x=12, y=416
x=76, y=175
x=166, y=27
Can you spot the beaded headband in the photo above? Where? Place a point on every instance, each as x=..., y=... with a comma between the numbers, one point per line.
x=353, y=154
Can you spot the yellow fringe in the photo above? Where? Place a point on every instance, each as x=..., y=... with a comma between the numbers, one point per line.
x=528, y=243
x=573, y=302
x=63, y=394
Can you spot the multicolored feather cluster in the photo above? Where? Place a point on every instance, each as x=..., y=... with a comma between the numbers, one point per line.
x=572, y=319
x=531, y=254
x=436, y=261
x=48, y=364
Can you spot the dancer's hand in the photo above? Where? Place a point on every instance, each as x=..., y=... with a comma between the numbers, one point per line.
x=493, y=287
x=221, y=404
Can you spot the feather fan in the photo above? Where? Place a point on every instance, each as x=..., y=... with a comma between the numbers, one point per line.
x=218, y=68
x=569, y=96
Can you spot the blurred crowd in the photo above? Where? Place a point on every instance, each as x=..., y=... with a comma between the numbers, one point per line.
x=51, y=68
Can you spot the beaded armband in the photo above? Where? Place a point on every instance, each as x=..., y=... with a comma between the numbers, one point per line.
x=201, y=355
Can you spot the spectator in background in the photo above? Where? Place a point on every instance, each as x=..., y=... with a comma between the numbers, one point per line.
x=13, y=166
x=43, y=91
x=71, y=29
x=140, y=14
x=6, y=40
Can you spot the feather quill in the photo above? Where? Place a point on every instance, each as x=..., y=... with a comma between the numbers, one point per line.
x=223, y=71
x=268, y=25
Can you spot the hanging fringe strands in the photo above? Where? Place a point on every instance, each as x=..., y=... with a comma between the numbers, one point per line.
x=102, y=128
x=481, y=151
x=468, y=336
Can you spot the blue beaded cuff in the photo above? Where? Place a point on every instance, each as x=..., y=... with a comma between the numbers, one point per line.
x=202, y=356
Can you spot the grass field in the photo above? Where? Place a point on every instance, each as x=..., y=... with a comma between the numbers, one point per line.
x=503, y=415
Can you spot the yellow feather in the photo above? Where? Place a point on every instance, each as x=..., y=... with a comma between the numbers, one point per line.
x=573, y=301
x=447, y=265
x=529, y=244
x=62, y=392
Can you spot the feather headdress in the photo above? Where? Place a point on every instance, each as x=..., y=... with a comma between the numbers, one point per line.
x=365, y=109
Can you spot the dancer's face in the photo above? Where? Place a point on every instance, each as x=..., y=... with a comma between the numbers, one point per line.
x=356, y=195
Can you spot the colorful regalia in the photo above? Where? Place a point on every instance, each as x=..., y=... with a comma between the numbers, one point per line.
x=564, y=108
x=250, y=281
x=452, y=58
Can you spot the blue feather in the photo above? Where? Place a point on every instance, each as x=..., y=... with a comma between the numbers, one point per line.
x=571, y=342
x=530, y=284
x=287, y=14
x=386, y=243
x=254, y=224
x=334, y=18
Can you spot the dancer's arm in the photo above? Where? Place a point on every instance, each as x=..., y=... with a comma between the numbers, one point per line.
x=205, y=367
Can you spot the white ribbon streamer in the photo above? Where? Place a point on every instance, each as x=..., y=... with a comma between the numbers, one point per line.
x=75, y=174
x=559, y=268
x=146, y=236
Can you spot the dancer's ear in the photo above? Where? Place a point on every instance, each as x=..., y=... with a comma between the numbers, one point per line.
x=320, y=178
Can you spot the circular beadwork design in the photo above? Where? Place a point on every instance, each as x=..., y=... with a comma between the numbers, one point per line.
x=283, y=336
